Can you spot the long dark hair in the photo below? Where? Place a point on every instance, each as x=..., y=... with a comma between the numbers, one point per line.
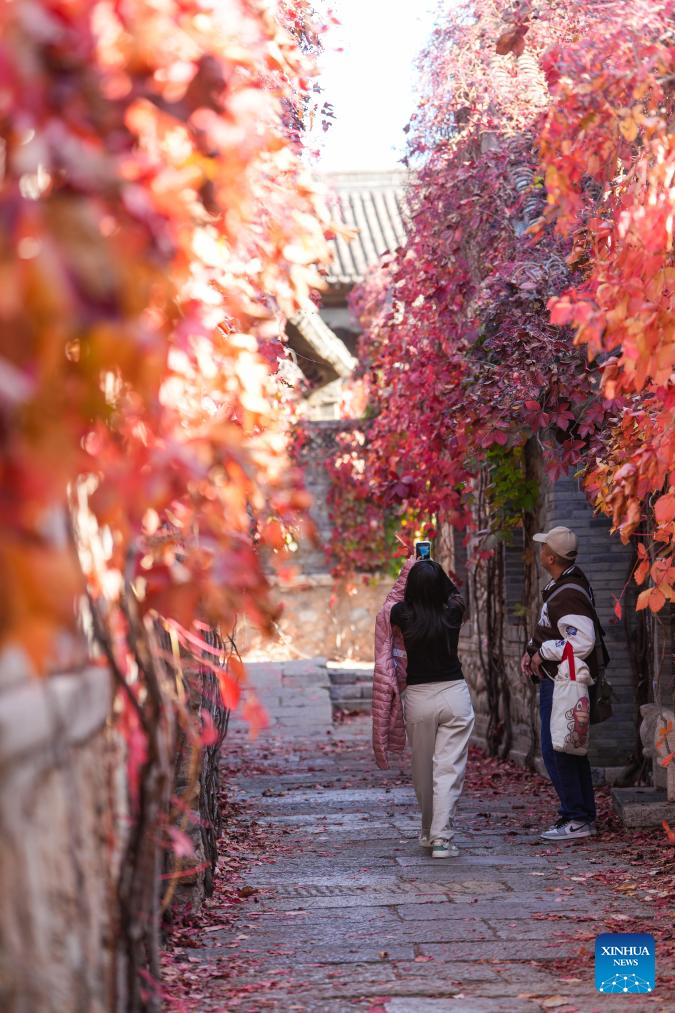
x=427, y=590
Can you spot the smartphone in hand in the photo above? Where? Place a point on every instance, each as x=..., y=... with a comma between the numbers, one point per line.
x=423, y=550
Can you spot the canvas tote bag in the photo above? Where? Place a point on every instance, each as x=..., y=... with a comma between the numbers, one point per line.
x=571, y=710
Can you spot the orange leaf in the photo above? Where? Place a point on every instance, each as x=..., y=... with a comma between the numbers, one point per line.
x=273, y=535
x=667, y=759
x=628, y=128
x=641, y=571
x=562, y=312
x=669, y=833
x=643, y=599
x=236, y=669
x=664, y=510
x=230, y=690
x=657, y=599
x=618, y=612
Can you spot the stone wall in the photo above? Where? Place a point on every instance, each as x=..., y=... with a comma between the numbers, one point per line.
x=61, y=804
x=64, y=823
x=321, y=616
x=351, y=688
x=197, y=785
x=523, y=713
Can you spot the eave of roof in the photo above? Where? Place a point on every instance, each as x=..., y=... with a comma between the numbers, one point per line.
x=329, y=348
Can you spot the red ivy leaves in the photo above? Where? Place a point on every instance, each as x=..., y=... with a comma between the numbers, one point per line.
x=456, y=346
x=567, y=121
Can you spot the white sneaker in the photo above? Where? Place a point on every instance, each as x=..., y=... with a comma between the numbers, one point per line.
x=571, y=831
x=444, y=849
x=424, y=840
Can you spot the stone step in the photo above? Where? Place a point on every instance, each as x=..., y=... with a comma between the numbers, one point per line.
x=338, y=694
x=351, y=687
x=643, y=807
x=346, y=677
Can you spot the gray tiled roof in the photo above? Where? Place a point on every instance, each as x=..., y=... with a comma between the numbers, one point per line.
x=322, y=341
x=373, y=203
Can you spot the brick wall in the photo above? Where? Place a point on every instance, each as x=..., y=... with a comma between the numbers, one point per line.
x=64, y=824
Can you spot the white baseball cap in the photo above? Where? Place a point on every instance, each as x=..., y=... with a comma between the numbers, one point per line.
x=563, y=541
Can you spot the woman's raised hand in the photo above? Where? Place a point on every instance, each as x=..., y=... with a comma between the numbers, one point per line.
x=406, y=546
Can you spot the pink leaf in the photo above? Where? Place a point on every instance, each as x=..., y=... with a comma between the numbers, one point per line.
x=181, y=845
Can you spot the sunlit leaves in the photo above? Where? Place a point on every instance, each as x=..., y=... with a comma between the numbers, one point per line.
x=157, y=224
x=610, y=121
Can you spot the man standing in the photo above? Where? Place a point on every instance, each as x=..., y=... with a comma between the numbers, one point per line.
x=567, y=615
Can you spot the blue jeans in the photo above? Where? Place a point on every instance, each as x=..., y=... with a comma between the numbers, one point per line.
x=571, y=775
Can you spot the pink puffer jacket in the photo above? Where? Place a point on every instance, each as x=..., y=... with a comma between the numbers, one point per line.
x=389, y=677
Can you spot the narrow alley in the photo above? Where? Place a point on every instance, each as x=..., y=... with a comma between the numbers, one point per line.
x=326, y=902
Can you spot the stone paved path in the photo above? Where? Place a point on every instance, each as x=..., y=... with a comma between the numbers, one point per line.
x=351, y=913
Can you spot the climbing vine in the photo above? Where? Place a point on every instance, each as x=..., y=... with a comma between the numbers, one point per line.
x=511, y=491
x=468, y=291
x=533, y=298
x=529, y=313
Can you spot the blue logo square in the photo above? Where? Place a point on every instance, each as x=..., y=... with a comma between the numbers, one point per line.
x=625, y=962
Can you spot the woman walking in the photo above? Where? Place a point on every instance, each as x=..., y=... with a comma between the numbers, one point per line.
x=419, y=689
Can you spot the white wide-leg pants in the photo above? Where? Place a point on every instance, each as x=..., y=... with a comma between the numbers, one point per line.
x=439, y=720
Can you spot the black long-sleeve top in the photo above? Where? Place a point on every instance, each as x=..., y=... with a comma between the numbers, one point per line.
x=434, y=659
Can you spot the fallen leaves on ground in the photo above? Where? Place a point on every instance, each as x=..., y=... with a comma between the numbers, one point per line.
x=210, y=961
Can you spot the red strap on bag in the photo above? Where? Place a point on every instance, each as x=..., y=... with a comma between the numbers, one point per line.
x=568, y=656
